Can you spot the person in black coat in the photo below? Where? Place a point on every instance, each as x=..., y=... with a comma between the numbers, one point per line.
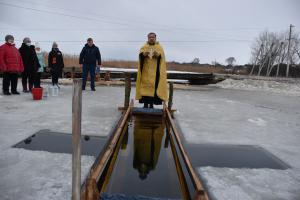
x=89, y=57
x=30, y=62
x=55, y=63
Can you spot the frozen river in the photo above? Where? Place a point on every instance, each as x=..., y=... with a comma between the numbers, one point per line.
x=206, y=115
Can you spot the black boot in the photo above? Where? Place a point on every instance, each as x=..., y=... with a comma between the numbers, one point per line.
x=6, y=93
x=145, y=105
x=15, y=92
x=151, y=105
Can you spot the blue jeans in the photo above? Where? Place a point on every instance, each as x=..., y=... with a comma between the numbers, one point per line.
x=85, y=69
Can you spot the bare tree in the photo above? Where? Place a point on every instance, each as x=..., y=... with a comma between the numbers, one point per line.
x=196, y=61
x=270, y=49
x=230, y=61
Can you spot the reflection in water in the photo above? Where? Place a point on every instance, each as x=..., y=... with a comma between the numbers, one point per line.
x=140, y=165
x=147, y=143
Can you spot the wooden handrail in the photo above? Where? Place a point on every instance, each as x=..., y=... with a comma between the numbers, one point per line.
x=200, y=193
x=98, y=169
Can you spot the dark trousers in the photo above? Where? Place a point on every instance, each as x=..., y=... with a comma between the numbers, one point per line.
x=27, y=77
x=55, y=75
x=10, y=79
x=37, y=80
x=88, y=68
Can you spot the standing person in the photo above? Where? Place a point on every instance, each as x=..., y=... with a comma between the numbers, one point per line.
x=41, y=58
x=89, y=56
x=30, y=62
x=10, y=64
x=55, y=63
x=151, y=84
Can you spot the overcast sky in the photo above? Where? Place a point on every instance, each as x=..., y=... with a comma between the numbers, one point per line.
x=207, y=29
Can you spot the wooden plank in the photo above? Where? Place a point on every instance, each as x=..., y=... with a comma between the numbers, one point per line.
x=170, y=103
x=127, y=89
x=76, y=138
x=99, y=167
x=181, y=177
x=200, y=193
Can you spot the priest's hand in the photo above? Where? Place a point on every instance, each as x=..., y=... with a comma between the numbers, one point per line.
x=156, y=54
x=146, y=53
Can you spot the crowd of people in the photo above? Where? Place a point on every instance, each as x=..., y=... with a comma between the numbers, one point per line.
x=29, y=61
x=151, y=84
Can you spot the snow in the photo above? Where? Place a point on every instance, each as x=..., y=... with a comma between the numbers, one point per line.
x=250, y=184
x=258, y=121
x=206, y=115
x=42, y=175
x=243, y=117
x=291, y=89
x=39, y=175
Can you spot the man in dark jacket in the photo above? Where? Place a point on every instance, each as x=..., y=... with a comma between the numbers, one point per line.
x=30, y=62
x=89, y=57
x=55, y=63
x=10, y=64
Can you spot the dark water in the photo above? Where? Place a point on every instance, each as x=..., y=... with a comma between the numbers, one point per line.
x=233, y=156
x=46, y=140
x=144, y=165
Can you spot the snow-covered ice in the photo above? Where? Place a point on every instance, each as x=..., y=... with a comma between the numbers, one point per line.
x=206, y=115
x=272, y=86
x=38, y=175
x=243, y=117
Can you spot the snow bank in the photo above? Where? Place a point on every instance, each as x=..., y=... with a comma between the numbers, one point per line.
x=290, y=89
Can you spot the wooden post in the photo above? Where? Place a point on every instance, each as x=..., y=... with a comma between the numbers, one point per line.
x=170, y=103
x=73, y=73
x=76, y=138
x=63, y=73
x=127, y=89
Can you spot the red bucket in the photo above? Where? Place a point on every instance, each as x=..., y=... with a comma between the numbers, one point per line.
x=37, y=93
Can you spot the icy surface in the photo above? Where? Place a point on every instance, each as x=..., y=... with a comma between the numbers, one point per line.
x=29, y=175
x=206, y=115
x=242, y=117
x=287, y=88
x=38, y=175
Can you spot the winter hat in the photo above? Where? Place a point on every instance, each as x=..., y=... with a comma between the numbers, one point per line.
x=9, y=37
x=37, y=45
x=26, y=40
x=54, y=45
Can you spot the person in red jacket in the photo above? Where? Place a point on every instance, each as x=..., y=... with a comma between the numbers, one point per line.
x=10, y=64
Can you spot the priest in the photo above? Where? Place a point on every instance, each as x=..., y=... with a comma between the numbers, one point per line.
x=151, y=84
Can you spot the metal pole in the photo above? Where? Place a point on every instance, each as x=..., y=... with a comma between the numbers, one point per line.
x=76, y=138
